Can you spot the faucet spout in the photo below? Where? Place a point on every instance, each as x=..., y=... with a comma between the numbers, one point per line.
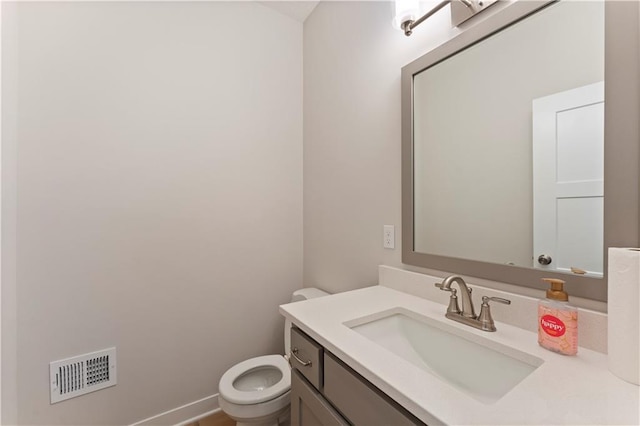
x=465, y=294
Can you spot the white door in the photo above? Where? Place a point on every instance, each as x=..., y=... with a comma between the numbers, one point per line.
x=568, y=176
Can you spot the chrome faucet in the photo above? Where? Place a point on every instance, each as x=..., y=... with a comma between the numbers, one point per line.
x=468, y=316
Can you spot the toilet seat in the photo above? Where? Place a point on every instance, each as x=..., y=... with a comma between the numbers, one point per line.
x=258, y=390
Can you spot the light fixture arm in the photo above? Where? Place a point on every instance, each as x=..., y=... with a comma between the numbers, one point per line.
x=408, y=26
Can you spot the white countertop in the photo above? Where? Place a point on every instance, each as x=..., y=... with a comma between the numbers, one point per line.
x=563, y=390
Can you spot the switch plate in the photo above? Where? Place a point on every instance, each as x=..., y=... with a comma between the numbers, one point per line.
x=389, y=237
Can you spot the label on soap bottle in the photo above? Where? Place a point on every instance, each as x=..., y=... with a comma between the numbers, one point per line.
x=552, y=326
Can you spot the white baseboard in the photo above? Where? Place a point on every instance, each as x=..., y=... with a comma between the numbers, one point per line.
x=188, y=413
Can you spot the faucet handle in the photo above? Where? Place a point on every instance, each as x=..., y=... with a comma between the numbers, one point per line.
x=453, y=307
x=486, y=299
x=485, y=318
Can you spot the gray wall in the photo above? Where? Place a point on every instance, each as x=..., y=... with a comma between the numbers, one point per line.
x=152, y=197
x=352, y=62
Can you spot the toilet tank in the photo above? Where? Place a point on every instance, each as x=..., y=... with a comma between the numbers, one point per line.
x=298, y=295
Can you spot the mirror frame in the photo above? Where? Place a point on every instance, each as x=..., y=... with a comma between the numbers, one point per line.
x=621, y=157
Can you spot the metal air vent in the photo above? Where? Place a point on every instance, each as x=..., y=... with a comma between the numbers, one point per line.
x=82, y=374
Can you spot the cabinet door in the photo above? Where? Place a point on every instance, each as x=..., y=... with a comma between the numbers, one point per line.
x=308, y=407
x=358, y=400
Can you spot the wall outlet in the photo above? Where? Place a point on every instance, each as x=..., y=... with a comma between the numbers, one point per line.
x=389, y=237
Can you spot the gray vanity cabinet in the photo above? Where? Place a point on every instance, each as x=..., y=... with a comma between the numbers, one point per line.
x=325, y=391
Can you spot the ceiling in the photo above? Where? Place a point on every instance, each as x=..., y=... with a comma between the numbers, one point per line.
x=298, y=10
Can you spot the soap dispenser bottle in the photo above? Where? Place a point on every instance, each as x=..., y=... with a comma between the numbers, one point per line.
x=557, y=320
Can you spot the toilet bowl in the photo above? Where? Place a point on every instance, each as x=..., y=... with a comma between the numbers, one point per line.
x=257, y=391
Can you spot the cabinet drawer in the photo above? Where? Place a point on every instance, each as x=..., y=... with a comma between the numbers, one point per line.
x=306, y=357
x=358, y=400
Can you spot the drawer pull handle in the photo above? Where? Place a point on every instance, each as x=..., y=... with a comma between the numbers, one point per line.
x=294, y=353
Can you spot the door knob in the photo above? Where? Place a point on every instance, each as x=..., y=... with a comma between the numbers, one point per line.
x=544, y=259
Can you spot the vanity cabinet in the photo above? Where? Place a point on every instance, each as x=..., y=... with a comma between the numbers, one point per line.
x=325, y=391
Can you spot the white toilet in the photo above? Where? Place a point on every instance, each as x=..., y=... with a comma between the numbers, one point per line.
x=257, y=391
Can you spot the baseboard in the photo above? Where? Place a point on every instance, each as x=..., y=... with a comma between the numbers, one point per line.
x=186, y=414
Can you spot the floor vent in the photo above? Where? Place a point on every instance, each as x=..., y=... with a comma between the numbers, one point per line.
x=82, y=374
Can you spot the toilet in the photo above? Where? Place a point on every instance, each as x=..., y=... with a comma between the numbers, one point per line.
x=257, y=391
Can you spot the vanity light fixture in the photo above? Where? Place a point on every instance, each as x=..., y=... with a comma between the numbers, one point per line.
x=407, y=12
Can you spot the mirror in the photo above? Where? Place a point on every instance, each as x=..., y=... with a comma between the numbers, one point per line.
x=490, y=119
x=486, y=206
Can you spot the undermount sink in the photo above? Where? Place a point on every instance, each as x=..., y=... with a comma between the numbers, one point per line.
x=477, y=366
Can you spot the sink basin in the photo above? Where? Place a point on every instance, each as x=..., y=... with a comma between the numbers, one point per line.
x=484, y=369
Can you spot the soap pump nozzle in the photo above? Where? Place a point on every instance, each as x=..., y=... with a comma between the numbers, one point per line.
x=556, y=289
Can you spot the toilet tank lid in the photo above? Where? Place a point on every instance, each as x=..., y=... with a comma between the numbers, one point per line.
x=307, y=293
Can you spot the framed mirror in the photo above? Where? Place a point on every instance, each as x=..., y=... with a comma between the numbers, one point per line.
x=512, y=136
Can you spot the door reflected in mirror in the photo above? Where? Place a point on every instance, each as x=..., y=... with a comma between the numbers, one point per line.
x=568, y=180
x=508, y=145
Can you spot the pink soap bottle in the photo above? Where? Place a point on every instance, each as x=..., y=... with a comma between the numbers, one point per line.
x=557, y=320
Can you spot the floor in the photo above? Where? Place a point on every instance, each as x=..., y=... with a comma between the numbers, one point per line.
x=217, y=419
